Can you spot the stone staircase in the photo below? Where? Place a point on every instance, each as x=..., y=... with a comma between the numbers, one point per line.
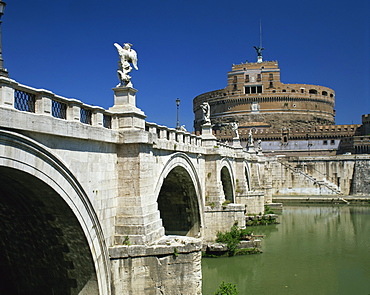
x=330, y=186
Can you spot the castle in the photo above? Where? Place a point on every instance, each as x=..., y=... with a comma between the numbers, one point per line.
x=292, y=119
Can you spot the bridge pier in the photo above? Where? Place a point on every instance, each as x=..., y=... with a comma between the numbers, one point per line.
x=171, y=266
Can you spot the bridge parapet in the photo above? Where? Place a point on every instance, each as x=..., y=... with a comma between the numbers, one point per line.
x=163, y=133
x=178, y=140
x=44, y=102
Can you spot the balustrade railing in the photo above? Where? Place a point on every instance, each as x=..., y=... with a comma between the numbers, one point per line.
x=24, y=101
x=59, y=109
x=44, y=102
x=107, y=121
x=166, y=134
x=85, y=116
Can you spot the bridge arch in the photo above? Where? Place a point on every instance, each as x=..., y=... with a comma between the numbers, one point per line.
x=53, y=242
x=178, y=194
x=227, y=180
x=247, y=174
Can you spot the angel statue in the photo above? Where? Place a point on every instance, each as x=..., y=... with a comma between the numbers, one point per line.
x=250, y=141
x=127, y=56
x=234, y=128
x=206, y=112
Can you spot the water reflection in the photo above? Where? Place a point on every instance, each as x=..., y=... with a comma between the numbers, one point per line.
x=315, y=250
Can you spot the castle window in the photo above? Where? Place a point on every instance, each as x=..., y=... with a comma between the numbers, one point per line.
x=235, y=79
x=259, y=78
x=271, y=85
x=253, y=89
x=312, y=91
x=331, y=95
x=235, y=87
x=302, y=90
x=325, y=142
x=246, y=78
x=332, y=141
x=284, y=90
x=324, y=93
x=271, y=77
x=293, y=90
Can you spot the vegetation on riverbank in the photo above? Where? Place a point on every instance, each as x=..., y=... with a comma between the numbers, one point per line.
x=269, y=217
x=231, y=239
x=226, y=289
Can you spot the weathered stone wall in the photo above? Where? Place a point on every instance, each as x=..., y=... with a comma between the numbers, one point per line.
x=361, y=177
x=254, y=202
x=221, y=218
x=331, y=175
x=171, y=267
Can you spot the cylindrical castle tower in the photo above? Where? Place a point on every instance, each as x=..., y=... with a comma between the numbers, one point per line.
x=255, y=97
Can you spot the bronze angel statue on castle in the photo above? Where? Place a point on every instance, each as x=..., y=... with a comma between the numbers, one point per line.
x=126, y=56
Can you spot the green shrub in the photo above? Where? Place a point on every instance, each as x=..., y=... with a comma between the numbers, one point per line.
x=268, y=210
x=126, y=241
x=232, y=238
x=227, y=202
x=226, y=289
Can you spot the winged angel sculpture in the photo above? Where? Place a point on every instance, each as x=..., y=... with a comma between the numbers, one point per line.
x=126, y=56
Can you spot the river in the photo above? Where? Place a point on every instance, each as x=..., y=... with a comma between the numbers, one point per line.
x=314, y=250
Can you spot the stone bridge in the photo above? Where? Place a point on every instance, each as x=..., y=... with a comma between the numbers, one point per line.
x=96, y=201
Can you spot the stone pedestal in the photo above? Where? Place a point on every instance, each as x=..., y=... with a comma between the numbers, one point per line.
x=127, y=114
x=251, y=149
x=208, y=139
x=236, y=143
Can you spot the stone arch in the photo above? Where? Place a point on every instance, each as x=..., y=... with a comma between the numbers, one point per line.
x=247, y=174
x=54, y=230
x=227, y=180
x=178, y=194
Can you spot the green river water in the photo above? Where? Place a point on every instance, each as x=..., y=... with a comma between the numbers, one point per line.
x=314, y=250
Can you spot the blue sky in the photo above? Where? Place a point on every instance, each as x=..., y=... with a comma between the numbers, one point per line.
x=186, y=48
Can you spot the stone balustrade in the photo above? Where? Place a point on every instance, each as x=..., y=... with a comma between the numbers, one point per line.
x=16, y=96
x=163, y=133
x=44, y=102
x=183, y=140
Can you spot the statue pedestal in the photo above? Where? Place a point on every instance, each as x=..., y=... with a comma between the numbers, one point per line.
x=126, y=112
x=124, y=99
x=251, y=150
x=236, y=143
x=208, y=139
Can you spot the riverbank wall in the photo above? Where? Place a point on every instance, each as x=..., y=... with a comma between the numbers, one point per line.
x=361, y=177
x=345, y=200
x=340, y=175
